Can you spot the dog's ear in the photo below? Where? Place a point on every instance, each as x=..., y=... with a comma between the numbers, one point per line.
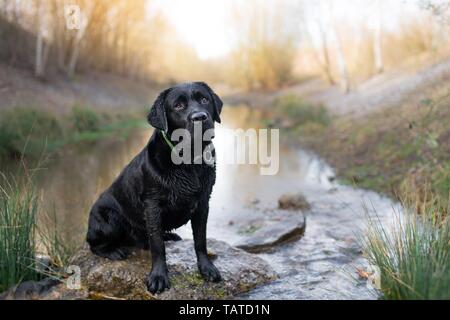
x=216, y=101
x=157, y=115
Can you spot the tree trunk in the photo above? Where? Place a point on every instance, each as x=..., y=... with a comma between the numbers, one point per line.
x=39, y=68
x=340, y=56
x=326, y=65
x=342, y=64
x=377, y=52
x=77, y=44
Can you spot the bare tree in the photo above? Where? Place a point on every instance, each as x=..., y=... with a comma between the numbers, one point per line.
x=325, y=62
x=75, y=50
x=340, y=55
x=377, y=46
x=42, y=47
x=264, y=56
x=114, y=36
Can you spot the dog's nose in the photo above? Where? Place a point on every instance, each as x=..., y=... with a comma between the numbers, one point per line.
x=198, y=116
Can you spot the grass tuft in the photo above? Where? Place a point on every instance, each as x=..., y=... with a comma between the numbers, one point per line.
x=413, y=255
x=18, y=211
x=31, y=246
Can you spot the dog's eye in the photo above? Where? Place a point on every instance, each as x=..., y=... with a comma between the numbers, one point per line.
x=204, y=100
x=179, y=106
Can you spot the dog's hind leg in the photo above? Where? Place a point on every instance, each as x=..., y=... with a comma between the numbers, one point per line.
x=171, y=236
x=111, y=252
x=106, y=235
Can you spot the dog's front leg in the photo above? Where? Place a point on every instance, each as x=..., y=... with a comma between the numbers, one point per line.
x=157, y=280
x=206, y=268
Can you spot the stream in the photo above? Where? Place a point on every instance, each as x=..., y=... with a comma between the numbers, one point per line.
x=321, y=265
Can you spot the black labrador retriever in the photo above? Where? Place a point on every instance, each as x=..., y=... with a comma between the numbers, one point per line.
x=153, y=195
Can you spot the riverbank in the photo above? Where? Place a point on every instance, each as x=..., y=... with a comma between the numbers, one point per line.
x=401, y=149
x=41, y=116
x=58, y=95
x=31, y=133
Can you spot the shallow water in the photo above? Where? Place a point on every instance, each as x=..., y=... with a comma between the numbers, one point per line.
x=321, y=265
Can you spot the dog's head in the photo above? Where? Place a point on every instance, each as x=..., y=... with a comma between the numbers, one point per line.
x=186, y=105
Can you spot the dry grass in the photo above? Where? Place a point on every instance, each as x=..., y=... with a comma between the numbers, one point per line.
x=412, y=253
x=399, y=151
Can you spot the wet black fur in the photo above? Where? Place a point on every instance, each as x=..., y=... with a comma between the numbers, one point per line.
x=153, y=196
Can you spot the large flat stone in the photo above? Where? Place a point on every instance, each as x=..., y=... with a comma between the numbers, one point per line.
x=290, y=228
x=105, y=279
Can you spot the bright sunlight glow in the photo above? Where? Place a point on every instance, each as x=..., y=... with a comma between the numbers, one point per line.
x=207, y=24
x=204, y=24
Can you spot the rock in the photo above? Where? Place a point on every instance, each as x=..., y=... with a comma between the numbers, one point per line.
x=29, y=290
x=332, y=190
x=290, y=228
x=105, y=279
x=293, y=201
x=253, y=202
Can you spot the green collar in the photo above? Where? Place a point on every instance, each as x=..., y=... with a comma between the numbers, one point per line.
x=169, y=143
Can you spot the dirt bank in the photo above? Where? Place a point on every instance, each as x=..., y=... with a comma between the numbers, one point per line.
x=390, y=134
x=382, y=91
x=58, y=94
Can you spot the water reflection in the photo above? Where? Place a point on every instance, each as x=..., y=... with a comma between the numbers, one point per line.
x=75, y=177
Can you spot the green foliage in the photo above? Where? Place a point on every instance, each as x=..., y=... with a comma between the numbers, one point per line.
x=440, y=182
x=30, y=132
x=413, y=255
x=18, y=210
x=301, y=112
x=27, y=131
x=85, y=119
x=23, y=237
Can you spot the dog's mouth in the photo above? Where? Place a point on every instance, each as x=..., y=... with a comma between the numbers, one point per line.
x=201, y=129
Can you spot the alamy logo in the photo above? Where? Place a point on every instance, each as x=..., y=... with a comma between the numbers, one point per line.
x=74, y=17
x=74, y=280
x=251, y=146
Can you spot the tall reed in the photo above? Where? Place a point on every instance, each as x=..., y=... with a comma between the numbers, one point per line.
x=18, y=212
x=413, y=254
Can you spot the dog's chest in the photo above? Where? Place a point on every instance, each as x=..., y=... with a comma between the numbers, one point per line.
x=187, y=189
x=184, y=197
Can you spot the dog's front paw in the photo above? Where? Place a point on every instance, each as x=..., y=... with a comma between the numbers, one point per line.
x=157, y=281
x=209, y=271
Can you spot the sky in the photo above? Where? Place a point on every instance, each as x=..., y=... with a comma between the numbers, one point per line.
x=202, y=23
x=205, y=24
